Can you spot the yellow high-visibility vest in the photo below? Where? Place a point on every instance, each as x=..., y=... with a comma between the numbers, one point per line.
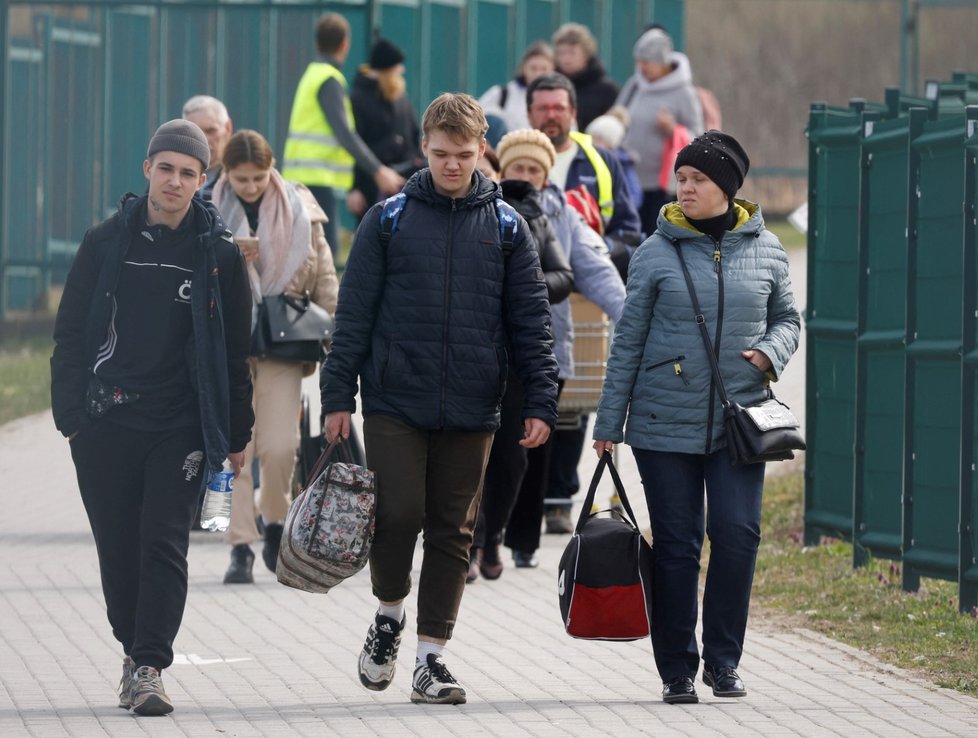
x=606, y=196
x=313, y=155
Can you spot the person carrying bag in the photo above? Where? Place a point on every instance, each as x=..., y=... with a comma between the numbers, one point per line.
x=660, y=378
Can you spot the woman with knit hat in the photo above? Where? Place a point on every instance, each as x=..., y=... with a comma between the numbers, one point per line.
x=385, y=120
x=528, y=155
x=659, y=386
x=519, y=151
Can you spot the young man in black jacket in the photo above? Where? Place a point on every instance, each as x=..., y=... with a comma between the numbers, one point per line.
x=426, y=312
x=150, y=383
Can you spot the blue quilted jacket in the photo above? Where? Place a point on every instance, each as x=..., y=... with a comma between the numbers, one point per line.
x=427, y=320
x=746, y=295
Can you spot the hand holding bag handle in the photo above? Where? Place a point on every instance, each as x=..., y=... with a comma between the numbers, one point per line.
x=605, y=461
x=338, y=445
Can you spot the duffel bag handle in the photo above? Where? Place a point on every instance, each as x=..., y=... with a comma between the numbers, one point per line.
x=339, y=446
x=605, y=461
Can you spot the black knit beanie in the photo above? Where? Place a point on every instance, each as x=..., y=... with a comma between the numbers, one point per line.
x=385, y=55
x=183, y=137
x=720, y=157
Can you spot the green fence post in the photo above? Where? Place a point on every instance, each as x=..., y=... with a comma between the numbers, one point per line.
x=932, y=447
x=884, y=203
x=834, y=136
x=968, y=546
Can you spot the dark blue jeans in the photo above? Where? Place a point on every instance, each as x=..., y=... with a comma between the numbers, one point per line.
x=674, y=485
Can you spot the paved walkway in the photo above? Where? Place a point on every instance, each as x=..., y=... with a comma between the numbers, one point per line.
x=267, y=660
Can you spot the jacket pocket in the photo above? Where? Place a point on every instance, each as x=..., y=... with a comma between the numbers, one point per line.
x=675, y=364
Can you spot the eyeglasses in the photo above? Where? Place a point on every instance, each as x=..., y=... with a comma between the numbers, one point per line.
x=558, y=108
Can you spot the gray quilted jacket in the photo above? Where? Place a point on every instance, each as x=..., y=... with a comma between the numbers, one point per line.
x=658, y=371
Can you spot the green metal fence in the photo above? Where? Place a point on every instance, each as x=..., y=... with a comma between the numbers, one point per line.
x=892, y=335
x=85, y=84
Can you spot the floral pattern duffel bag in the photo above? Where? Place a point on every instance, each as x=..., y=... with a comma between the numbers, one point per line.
x=330, y=525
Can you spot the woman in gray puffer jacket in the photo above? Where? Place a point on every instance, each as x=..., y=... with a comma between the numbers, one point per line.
x=659, y=375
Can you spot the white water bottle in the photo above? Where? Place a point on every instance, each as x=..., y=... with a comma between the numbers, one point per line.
x=216, y=512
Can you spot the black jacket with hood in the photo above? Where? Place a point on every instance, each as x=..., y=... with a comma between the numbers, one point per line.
x=596, y=92
x=220, y=306
x=557, y=272
x=426, y=319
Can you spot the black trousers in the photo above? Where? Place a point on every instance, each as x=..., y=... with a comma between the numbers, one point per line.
x=140, y=491
x=526, y=514
x=505, y=470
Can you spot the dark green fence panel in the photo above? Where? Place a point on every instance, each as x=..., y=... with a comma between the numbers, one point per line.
x=493, y=50
x=445, y=29
x=968, y=530
x=932, y=443
x=72, y=152
x=834, y=136
x=884, y=252
x=187, y=57
x=537, y=19
x=24, y=275
x=132, y=106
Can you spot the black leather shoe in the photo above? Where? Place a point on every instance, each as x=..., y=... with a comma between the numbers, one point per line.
x=273, y=539
x=724, y=680
x=525, y=559
x=679, y=691
x=242, y=559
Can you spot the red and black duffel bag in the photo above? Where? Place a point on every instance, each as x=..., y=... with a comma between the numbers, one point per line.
x=604, y=581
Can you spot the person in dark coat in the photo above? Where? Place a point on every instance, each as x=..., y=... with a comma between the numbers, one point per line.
x=429, y=318
x=385, y=120
x=577, y=58
x=150, y=384
x=508, y=461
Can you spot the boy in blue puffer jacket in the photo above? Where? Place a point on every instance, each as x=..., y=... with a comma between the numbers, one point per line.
x=428, y=319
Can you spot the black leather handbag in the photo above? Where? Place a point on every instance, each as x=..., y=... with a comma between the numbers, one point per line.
x=767, y=431
x=290, y=329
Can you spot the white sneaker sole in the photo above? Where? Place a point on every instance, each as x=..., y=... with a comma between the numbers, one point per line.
x=454, y=697
x=378, y=686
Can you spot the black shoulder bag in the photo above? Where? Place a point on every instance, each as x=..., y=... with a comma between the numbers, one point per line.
x=767, y=431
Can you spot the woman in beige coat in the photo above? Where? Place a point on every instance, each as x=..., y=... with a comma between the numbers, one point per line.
x=280, y=229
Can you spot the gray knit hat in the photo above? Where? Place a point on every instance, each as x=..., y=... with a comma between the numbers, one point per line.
x=654, y=45
x=183, y=137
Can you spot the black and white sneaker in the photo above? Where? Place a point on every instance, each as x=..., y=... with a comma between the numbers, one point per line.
x=378, y=659
x=435, y=684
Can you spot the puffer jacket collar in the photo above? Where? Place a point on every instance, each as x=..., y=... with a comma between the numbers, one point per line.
x=673, y=225
x=421, y=185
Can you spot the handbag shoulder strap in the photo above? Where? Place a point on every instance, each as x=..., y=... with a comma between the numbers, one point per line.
x=605, y=461
x=701, y=323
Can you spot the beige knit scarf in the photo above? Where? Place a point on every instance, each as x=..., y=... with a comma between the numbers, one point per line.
x=284, y=232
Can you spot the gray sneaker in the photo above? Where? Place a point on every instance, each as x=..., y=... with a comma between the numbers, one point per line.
x=558, y=520
x=378, y=659
x=433, y=683
x=125, y=685
x=147, y=696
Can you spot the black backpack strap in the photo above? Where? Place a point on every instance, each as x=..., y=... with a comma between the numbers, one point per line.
x=393, y=207
x=503, y=95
